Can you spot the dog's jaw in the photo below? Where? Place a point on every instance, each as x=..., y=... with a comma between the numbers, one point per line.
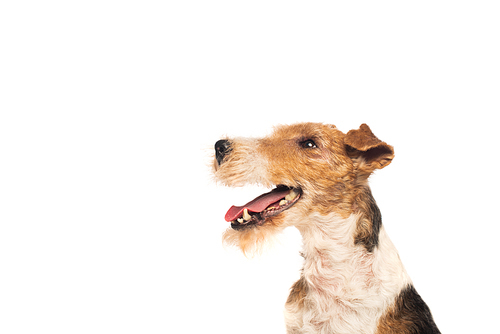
x=256, y=212
x=261, y=228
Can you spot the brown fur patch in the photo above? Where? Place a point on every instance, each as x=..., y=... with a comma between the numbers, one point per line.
x=368, y=227
x=370, y=152
x=297, y=293
x=323, y=173
x=408, y=315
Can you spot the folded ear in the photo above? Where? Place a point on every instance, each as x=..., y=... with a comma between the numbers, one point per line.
x=367, y=150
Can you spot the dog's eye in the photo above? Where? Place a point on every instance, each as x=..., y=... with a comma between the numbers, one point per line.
x=309, y=143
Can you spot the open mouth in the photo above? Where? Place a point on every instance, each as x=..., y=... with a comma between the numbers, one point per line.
x=267, y=205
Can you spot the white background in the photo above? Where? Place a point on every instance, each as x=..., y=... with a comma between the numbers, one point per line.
x=110, y=221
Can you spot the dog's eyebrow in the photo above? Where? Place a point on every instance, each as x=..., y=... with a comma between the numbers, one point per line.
x=306, y=137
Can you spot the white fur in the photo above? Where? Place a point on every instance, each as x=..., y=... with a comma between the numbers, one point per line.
x=348, y=287
x=244, y=166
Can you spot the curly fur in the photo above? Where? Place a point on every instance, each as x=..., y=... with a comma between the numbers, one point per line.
x=352, y=280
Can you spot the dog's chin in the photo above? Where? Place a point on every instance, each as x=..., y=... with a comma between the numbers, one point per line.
x=256, y=238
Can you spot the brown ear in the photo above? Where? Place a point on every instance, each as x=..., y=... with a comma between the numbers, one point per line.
x=368, y=150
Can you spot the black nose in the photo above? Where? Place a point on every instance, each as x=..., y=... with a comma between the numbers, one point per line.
x=222, y=148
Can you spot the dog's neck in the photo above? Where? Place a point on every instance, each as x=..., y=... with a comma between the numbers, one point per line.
x=332, y=260
x=335, y=265
x=346, y=287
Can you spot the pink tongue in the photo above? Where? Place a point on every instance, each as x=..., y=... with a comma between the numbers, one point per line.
x=257, y=205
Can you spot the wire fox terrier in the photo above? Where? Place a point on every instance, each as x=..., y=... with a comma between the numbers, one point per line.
x=353, y=280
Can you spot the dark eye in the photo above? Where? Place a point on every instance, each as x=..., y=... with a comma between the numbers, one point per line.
x=308, y=143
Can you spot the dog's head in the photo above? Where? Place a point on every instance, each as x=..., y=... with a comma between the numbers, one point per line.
x=314, y=169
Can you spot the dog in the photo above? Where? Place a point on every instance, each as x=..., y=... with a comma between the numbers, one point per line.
x=352, y=280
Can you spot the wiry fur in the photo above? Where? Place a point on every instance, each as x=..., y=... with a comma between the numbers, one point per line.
x=348, y=287
x=352, y=280
x=253, y=240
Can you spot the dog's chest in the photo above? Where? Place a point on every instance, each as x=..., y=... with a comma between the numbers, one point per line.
x=345, y=289
x=341, y=312
x=340, y=299
x=339, y=291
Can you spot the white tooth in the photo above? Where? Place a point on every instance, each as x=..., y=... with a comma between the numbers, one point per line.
x=240, y=220
x=283, y=202
x=246, y=216
x=291, y=195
